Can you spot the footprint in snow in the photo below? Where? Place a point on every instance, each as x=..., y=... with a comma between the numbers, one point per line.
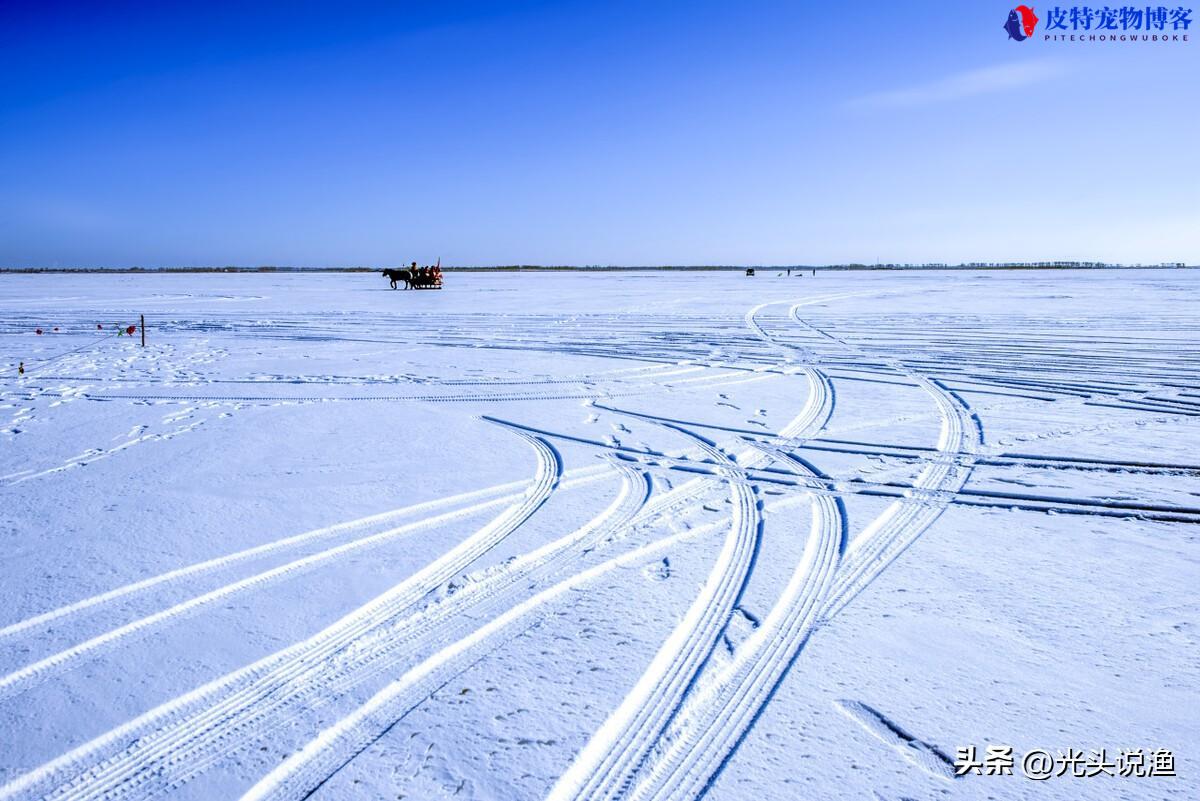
x=659, y=571
x=741, y=625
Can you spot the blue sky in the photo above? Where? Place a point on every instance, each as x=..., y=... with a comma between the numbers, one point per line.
x=350, y=133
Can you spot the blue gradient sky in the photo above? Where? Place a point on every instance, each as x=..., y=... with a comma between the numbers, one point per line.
x=312, y=134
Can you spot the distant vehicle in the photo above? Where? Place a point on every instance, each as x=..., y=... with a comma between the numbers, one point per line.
x=749, y=271
x=416, y=277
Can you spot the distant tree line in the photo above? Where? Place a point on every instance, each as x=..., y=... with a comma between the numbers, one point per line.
x=974, y=265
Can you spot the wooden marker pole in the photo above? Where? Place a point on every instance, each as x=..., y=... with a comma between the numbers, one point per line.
x=142, y=321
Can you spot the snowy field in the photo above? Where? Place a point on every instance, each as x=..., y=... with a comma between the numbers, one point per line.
x=644, y=536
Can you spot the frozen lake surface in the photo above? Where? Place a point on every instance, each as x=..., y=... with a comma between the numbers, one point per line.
x=636, y=535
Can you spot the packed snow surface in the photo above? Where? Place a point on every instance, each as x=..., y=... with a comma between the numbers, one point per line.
x=595, y=536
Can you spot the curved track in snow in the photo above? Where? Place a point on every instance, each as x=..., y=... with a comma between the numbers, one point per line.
x=186, y=730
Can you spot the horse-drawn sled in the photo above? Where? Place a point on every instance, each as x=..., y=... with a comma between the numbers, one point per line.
x=416, y=277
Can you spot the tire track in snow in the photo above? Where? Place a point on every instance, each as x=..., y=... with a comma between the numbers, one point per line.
x=367, y=656
x=336, y=746
x=22, y=679
x=392, y=646
x=498, y=587
x=604, y=766
x=902, y=522
x=899, y=525
x=610, y=761
x=301, y=774
x=305, y=771
x=711, y=725
x=156, y=743
x=229, y=560
x=996, y=456
x=475, y=397
x=965, y=497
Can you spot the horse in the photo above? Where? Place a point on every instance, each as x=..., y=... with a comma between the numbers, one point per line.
x=396, y=276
